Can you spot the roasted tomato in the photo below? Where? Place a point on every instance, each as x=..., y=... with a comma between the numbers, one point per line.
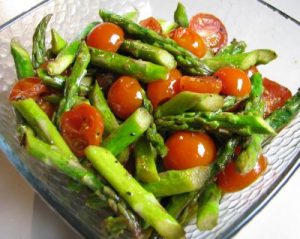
x=152, y=24
x=82, y=126
x=205, y=84
x=189, y=149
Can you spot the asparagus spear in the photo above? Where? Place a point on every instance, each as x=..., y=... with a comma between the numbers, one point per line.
x=178, y=181
x=167, y=26
x=42, y=125
x=180, y=15
x=73, y=81
x=22, y=60
x=128, y=132
x=57, y=82
x=232, y=102
x=222, y=121
x=54, y=157
x=98, y=100
x=141, y=201
x=183, y=57
x=38, y=44
x=187, y=100
x=82, y=35
x=149, y=53
x=242, y=61
x=252, y=148
x=57, y=42
x=145, y=156
x=235, y=47
x=143, y=70
x=208, y=210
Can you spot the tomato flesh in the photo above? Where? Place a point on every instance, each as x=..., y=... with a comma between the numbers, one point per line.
x=160, y=91
x=235, y=81
x=106, y=36
x=31, y=87
x=152, y=24
x=275, y=95
x=82, y=126
x=211, y=29
x=230, y=180
x=189, y=149
x=189, y=40
x=206, y=84
x=125, y=96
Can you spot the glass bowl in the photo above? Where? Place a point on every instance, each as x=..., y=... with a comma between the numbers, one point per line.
x=258, y=24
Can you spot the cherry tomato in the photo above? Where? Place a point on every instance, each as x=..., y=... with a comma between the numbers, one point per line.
x=152, y=24
x=82, y=126
x=125, y=96
x=211, y=29
x=160, y=91
x=205, y=84
x=30, y=87
x=189, y=40
x=189, y=149
x=275, y=95
x=235, y=81
x=106, y=36
x=230, y=180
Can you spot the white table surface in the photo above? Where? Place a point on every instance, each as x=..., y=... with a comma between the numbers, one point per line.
x=23, y=215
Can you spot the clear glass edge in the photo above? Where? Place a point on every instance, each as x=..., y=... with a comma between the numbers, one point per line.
x=83, y=229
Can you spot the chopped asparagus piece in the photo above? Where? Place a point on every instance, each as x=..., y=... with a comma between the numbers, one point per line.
x=57, y=42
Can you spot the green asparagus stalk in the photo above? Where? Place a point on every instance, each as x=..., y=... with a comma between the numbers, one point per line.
x=73, y=81
x=128, y=132
x=183, y=57
x=22, y=60
x=64, y=59
x=167, y=26
x=174, y=182
x=38, y=42
x=132, y=16
x=180, y=15
x=143, y=70
x=222, y=121
x=252, y=148
x=99, y=102
x=208, y=209
x=232, y=102
x=54, y=157
x=156, y=140
x=57, y=82
x=114, y=226
x=148, y=52
x=242, y=61
x=53, y=99
x=82, y=35
x=42, y=125
x=141, y=201
x=235, y=47
x=57, y=42
x=187, y=100
x=145, y=157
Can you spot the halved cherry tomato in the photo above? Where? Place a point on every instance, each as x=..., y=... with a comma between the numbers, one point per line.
x=235, y=81
x=205, y=84
x=106, y=36
x=152, y=24
x=162, y=90
x=31, y=87
x=275, y=95
x=125, y=96
x=82, y=126
x=230, y=180
x=189, y=40
x=211, y=29
x=189, y=149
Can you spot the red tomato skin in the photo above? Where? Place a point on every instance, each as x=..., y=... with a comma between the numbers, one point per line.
x=30, y=87
x=235, y=81
x=189, y=40
x=125, y=96
x=211, y=29
x=275, y=95
x=189, y=149
x=230, y=180
x=152, y=24
x=160, y=91
x=82, y=126
x=205, y=84
x=106, y=36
